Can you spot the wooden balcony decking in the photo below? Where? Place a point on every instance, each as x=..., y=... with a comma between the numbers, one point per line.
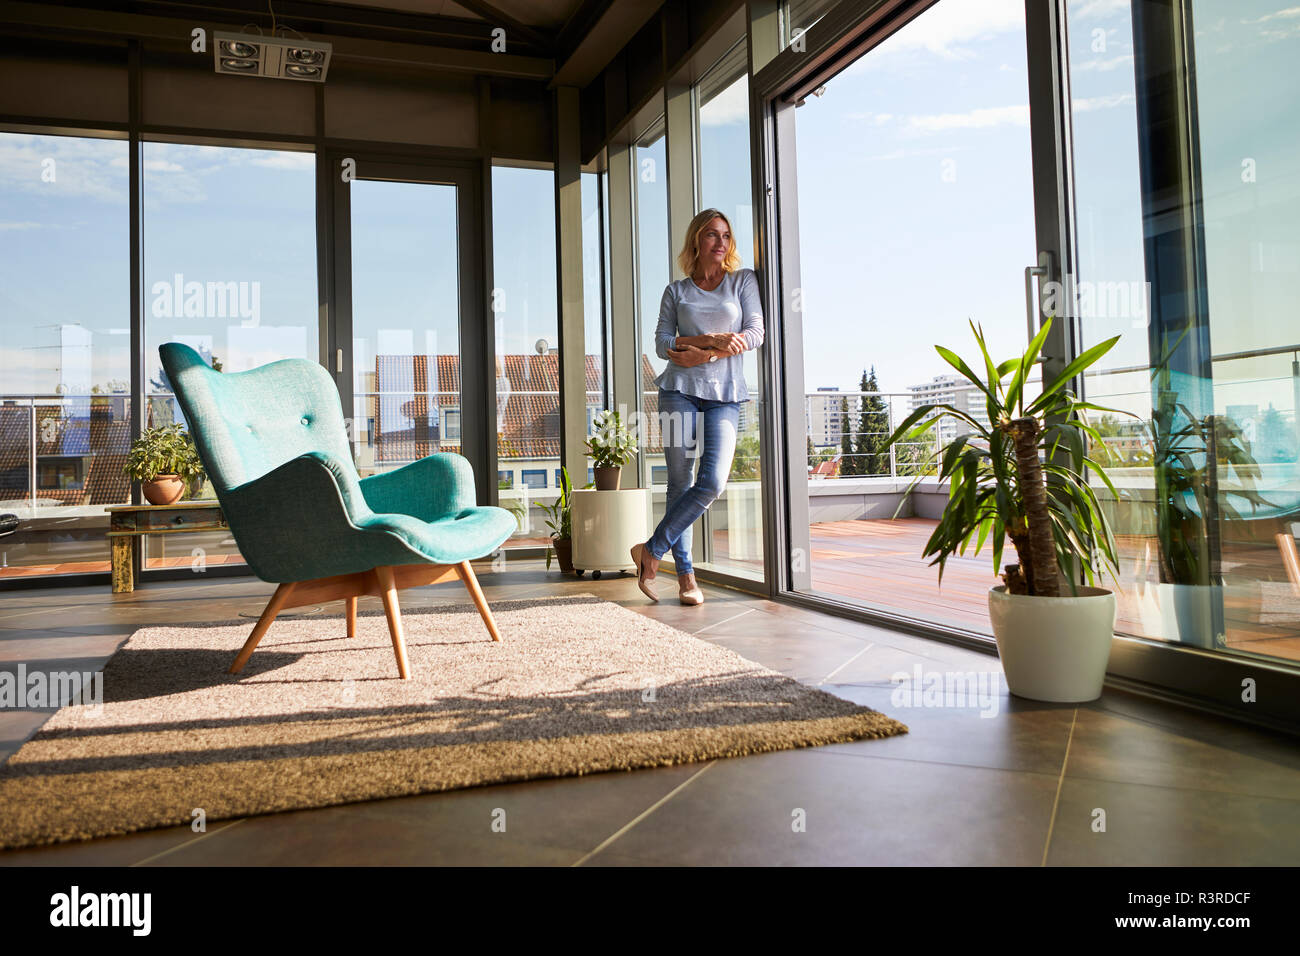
x=877, y=562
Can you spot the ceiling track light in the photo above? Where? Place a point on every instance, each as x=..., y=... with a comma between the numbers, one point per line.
x=283, y=58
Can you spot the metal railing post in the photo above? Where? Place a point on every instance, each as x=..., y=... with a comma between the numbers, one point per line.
x=31, y=458
x=893, y=451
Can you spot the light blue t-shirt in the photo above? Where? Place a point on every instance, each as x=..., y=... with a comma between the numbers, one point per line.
x=686, y=309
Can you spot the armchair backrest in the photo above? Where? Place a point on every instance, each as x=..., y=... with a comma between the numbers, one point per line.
x=246, y=424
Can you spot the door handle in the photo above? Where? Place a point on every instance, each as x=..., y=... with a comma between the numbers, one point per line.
x=1043, y=270
x=338, y=359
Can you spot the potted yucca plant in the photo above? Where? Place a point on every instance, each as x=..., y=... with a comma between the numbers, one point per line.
x=1024, y=477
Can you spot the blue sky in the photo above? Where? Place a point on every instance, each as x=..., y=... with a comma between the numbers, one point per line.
x=915, y=199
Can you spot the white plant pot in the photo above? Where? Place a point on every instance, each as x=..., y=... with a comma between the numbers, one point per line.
x=1179, y=612
x=1054, y=648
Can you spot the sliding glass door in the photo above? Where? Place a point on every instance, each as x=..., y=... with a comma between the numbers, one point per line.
x=914, y=174
x=1129, y=168
x=1187, y=168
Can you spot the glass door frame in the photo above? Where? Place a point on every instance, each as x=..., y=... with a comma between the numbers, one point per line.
x=847, y=32
x=477, y=334
x=1186, y=675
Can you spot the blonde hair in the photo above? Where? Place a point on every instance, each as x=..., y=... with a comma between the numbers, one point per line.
x=689, y=257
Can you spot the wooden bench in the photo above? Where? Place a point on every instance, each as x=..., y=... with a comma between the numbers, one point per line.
x=128, y=524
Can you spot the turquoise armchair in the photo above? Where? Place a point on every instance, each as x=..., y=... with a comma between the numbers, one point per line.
x=275, y=446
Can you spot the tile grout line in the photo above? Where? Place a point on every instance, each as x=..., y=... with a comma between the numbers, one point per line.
x=725, y=620
x=181, y=846
x=845, y=664
x=1060, y=782
x=643, y=814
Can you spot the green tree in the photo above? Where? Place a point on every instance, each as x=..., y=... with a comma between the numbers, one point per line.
x=745, y=461
x=848, y=460
x=1275, y=437
x=873, y=429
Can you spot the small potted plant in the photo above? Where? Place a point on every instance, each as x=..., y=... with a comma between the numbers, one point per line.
x=559, y=519
x=164, y=460
x=611, y=446
x=1025, y=476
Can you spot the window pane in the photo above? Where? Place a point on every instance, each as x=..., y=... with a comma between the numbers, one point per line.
x=64, y=349
x=527, y=339
x=405, y=321
x=229, y=241
x=593, y=305
x=653, y=254
x=1206, y=468
x=915, y=216
x=735, y=520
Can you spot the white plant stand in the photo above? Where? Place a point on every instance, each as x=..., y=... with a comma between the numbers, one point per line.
x=605, y=526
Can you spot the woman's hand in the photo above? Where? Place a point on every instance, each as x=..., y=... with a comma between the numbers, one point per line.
x=725, y=343
x=728, y=343
x=690, y=356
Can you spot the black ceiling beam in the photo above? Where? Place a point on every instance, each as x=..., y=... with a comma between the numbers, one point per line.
x=500, y=18
x=22, y=17
x=308, y=17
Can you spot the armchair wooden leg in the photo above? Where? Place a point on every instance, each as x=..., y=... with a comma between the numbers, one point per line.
x=466, y=572
x=352, y=617
x=273, y=607
x=1290, y=558
x=388, y=594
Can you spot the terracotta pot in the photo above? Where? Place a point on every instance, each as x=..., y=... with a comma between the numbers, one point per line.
x=564, y=554
x=607, y=478
x=164, y=489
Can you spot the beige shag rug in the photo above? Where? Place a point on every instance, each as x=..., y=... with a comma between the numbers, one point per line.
x=577, y=685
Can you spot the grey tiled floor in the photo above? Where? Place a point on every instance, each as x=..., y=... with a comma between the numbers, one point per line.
x=998, y=781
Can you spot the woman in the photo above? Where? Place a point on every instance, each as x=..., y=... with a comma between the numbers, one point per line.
x=706, y=321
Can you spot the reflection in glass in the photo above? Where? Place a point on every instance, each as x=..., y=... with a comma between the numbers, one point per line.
x=230, y=269
x=1208, y=481
x=65, y=412
x=734, y=521
x=593, y=304
x=653, y=256
x=405, y=322
x=527, y=343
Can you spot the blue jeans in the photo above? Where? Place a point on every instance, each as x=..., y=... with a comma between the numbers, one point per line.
x=692, y=430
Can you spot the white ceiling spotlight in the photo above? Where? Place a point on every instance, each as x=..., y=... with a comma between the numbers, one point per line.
x=285, y=58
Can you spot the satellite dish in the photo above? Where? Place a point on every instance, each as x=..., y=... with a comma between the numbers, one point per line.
x=542, y=347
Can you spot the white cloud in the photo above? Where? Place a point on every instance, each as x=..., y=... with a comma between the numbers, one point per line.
x=950, y=30
x=992, y=116
x=63, y=166
x=288, y=160
x=1090, y=103
x=1100, y=65
x=1099, y=8
x=729, y=106
x=18, y=225
x=1286, y=14
x=902, y=153
x=982, y=118
x=875, y=119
